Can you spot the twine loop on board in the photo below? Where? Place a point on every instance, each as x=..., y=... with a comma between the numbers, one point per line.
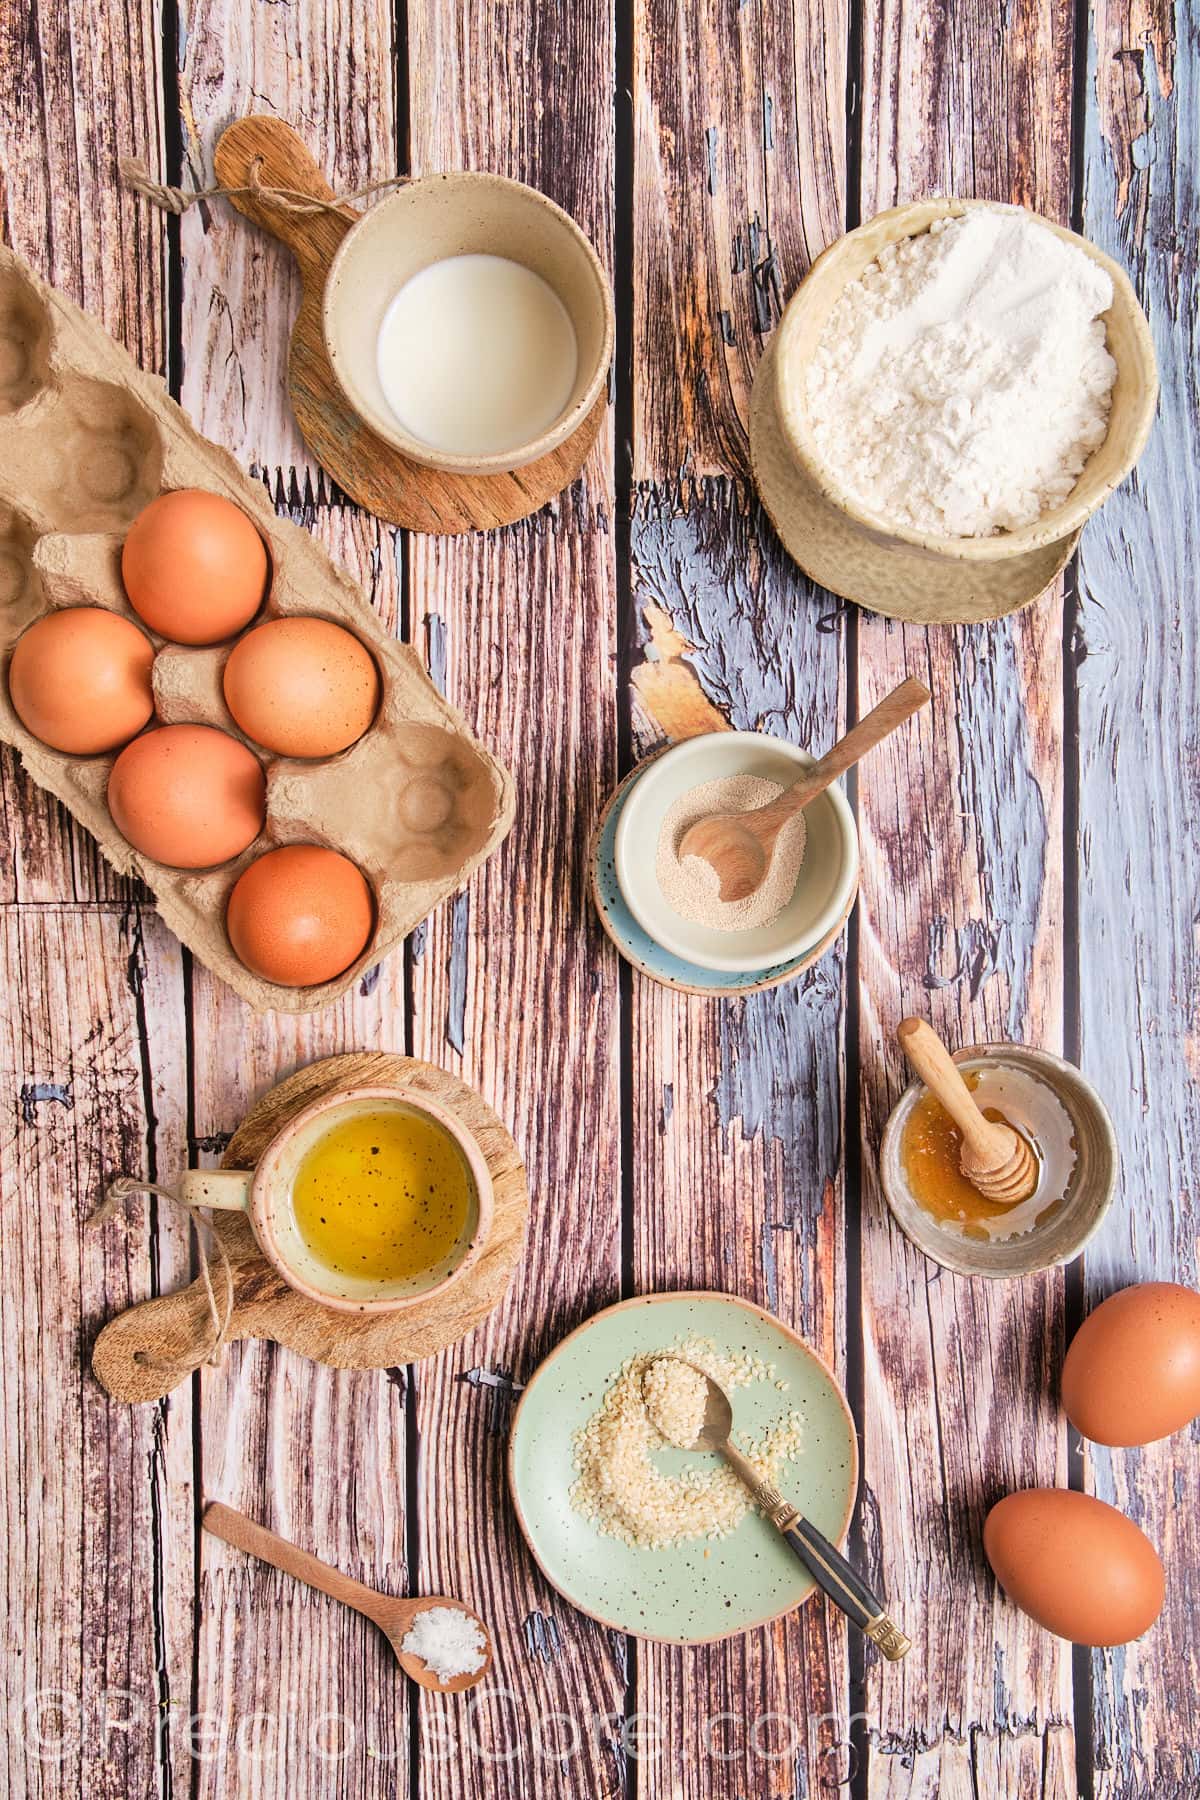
x=115, y=1196
x=177, y=200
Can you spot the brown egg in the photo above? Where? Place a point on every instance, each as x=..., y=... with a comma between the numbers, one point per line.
x=188, y=796
x=194, y=567
x=1075, y=1564
x=1132, y=1373
x=302, y=687
x=300, y=915
x=80, y=680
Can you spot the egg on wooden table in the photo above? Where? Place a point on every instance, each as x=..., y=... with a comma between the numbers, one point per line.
x=1076, y=1565
x=194, y=567
x=300, y=915
x=188, y=796
x=301, y=686
x=1132, y=1373
x=80, y=680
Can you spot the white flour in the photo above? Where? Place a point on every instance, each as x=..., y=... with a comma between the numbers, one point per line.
x=960, y=386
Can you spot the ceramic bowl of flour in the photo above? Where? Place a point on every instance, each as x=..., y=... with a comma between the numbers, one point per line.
x=826, y=881
x=866, y=555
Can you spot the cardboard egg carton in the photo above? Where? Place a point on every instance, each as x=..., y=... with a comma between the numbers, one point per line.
x=86, y=441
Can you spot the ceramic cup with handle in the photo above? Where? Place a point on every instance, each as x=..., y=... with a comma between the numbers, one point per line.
x=463, y=214
x=265, y=1195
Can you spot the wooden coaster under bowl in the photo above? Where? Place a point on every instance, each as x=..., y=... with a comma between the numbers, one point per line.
x=375, y=474
x=130, y=1353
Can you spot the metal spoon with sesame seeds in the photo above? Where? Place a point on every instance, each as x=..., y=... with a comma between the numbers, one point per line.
x=827, y=1566
x=393, y=1617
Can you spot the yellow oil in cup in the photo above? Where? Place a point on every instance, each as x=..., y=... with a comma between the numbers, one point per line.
x=383, y=1195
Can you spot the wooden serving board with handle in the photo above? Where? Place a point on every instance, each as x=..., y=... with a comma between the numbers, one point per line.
x=379, y=477
x=131, y=1351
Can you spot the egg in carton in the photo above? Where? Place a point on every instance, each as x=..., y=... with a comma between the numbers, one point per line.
x=87, y=440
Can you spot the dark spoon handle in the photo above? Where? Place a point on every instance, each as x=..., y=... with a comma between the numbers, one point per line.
x=845, y=1587
x=827, y=1566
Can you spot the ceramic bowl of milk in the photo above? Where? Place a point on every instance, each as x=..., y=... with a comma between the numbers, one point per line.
x=469, y=323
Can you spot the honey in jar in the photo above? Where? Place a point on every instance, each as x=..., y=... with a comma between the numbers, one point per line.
x=929, y=1151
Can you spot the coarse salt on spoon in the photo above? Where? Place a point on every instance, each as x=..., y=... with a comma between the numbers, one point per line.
x=738, y=846
x=395, y=1618
x=994, y=1158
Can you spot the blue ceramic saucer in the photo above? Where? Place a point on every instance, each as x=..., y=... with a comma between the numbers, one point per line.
x=641, y=950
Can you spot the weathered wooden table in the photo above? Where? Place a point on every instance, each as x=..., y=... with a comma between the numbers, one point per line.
x=1031, y=869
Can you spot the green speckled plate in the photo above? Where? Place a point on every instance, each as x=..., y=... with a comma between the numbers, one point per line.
x=680, y=1596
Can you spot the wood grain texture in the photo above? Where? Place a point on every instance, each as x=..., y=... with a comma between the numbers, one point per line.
x=731, y=1142
x=78, y=86
x=151, y=1349
x=95, y=1595
x=315, y=1454
x=1136, y=655
x=739, y=161
x=99, y=1510
x=516, y=988
x=737, y=1108
x=962, y=896
x=737, y=1144
x=330, y=72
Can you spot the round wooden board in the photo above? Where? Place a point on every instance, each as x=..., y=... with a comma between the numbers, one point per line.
x=130, y=1351
x=371, y=471
x=660, y=965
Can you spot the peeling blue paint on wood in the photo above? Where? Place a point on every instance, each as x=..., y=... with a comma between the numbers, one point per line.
x=456, y=1007
x=975, y=954
x=768, y=651
x=502, y=1392
x=711, y=137
x=770, y=1267
x=708, y=557
x=1000, y=795
x=543, y=1639
x=43, y=1093
x=435, y=650
x=1138, y=684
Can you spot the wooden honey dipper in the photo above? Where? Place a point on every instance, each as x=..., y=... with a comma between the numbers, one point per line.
x=994, y=1158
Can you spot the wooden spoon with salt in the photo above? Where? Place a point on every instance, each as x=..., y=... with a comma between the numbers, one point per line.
x=994, y=1158
x=393, y=1617
x=739, y=845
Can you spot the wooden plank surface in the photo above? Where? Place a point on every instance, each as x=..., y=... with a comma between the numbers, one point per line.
x=99, y=1507
x=516, y=987
x=737, y=1109
x=670, y=1141
x=1137, y=656
x=96, y=1504
x=78, y=85
x=961, y=823
x=264, y=1413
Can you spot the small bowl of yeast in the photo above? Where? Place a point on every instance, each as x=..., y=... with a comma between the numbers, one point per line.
x=823, y=873
x=877, y=562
